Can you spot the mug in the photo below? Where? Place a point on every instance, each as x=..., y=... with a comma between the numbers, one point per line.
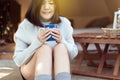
x=50, y=26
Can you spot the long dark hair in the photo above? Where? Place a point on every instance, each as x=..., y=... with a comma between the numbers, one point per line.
x=33, y=13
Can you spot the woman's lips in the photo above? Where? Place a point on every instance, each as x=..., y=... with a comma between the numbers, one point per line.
x=45, y=12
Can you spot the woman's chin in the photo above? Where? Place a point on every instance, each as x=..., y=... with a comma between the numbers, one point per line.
x=46, y=18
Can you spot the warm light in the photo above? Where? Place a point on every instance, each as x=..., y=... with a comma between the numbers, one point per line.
x=8, y=68
x=3, y=74
x=39, y=67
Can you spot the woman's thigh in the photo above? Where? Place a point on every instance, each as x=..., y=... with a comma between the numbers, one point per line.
x=28, y=70
x=44, y=60
x=61, y=59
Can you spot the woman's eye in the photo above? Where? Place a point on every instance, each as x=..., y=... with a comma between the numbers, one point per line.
x=51, y=3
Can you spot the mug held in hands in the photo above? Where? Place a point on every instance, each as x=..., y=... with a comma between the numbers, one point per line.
x=50, y=26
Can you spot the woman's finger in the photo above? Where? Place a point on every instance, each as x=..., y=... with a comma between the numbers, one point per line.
x=56, y=31
x=57, y=37
x=46, y=34
x=43, y=35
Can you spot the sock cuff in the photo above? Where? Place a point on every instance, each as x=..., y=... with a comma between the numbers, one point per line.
x=63, y=76
x=43, y=77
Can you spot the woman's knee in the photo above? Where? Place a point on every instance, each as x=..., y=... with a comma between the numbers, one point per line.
x=46, y=49
x=45, y=46
x=60, y=49
x=60, y=46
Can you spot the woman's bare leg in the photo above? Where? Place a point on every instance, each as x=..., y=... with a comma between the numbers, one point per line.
x=41, y=63
x=61, y=63
x=28, y=69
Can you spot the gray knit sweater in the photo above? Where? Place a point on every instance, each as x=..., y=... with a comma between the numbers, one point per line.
x=27, y=43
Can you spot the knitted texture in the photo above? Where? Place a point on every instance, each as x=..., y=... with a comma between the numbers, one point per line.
x=43, y=77
x=63, y=76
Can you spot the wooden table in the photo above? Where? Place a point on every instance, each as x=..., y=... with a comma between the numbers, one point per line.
x=87, y=38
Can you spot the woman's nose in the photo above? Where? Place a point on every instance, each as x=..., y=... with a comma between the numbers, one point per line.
x=46, y=6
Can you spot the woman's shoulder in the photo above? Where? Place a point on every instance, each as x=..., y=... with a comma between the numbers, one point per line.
x=66, y=23
x=25, y=23
x=64, y=19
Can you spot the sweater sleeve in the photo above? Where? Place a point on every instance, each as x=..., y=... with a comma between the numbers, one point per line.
x=23, y=52
x=68, y=39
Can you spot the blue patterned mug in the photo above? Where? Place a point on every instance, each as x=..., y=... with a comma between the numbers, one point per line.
x=50, y=26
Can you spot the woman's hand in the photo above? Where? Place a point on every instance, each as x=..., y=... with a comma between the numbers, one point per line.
x=44, y=35
x=56, y=35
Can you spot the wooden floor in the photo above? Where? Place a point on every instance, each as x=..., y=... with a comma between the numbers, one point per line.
x=9, y=71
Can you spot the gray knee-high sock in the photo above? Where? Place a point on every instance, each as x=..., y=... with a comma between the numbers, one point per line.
x=43, y=77
x=63, y=76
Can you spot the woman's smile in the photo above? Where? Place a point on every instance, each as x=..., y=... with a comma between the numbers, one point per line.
x=47, y=10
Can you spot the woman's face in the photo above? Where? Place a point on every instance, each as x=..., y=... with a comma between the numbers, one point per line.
x=47, y=10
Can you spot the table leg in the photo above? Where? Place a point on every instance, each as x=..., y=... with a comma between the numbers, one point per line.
x=84, y=52
x=102, y=61
x=102, y=56
x=100, y=67
x=84, y=46
x=117, y=64
x=91, y=62
x=79, y=62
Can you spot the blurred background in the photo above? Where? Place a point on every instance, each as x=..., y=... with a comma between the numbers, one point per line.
x=80, y=13
x=83, y=14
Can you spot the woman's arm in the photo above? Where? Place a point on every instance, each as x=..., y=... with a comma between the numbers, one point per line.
x=23, y=51
x=68, y=40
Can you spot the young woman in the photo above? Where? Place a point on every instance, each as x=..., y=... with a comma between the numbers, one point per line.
x=34, y=54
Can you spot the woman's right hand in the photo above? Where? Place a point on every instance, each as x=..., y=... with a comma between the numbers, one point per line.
x=44, y=35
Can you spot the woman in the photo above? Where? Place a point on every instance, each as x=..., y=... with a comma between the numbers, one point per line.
x=34, y=54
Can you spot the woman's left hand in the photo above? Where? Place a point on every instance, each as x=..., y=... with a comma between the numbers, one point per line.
x=56, y=35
